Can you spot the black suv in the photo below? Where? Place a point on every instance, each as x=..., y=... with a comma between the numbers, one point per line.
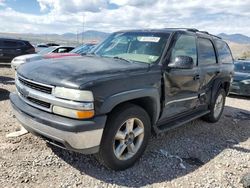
x=134, y=83
x=10, y=48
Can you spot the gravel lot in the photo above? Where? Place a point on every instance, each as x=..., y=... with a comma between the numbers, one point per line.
x=214, y=155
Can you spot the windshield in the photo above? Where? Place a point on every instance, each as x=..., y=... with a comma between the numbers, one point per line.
x=145, y=47
x=242, y=67
x=47, y=50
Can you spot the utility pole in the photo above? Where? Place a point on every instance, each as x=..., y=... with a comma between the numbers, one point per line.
x=77, y=36
x=83, y=20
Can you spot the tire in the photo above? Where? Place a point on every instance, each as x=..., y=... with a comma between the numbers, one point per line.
x=216, y=106
x=126, y=125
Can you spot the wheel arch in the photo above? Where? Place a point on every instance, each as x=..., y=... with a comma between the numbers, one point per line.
x=148, y=99
x=220, y=83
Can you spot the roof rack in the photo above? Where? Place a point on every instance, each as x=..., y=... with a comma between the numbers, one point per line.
x=195, y=31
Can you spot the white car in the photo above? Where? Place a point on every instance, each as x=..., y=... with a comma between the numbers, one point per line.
x=17, y=61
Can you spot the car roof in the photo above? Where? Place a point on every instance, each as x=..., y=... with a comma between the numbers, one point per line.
x=11, y=39
x=172, y=30
x=63, y=46
x=243, y=61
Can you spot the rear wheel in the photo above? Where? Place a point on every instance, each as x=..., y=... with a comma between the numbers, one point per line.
x=125, y=137
x=217, y=107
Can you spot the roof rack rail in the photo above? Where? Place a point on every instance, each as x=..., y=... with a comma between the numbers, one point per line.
x=192, y=29
x=183, y=28
x=205, y=32
x=195, y=31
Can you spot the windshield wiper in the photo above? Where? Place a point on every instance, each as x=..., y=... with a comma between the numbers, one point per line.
x=120, y=58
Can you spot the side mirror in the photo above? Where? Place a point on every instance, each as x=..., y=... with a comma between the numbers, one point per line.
x=182, y=62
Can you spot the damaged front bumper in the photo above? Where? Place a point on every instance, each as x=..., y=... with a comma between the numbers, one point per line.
x=76, y=135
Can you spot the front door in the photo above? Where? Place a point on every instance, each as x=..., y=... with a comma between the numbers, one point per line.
x=181, y=85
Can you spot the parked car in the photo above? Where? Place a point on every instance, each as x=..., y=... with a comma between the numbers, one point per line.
x=52, y=44
x=10, y=48
x=241, y=80
x=134, y=82
x=78, y=51
x=42, y=45
x=17, y=61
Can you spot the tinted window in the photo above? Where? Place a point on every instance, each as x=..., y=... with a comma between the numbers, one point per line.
x=185, y=46
x=242, y=67
x=9, y=43
x=20, y=44
x=206, y=52
x=224, y=53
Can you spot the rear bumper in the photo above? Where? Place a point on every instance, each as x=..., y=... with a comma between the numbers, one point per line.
x=80, y=136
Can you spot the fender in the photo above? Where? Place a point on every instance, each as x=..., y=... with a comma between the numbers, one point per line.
x=216, y=85
x=153, y=93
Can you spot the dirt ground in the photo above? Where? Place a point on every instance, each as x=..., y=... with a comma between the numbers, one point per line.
x=198, y=154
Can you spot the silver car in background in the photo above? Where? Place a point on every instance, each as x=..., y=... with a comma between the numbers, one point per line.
x=17, y=61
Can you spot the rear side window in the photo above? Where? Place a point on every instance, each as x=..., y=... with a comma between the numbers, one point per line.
x=206, y=52
x=9, y=43
x=185, y=46
x=20, y=44
x=224, y=53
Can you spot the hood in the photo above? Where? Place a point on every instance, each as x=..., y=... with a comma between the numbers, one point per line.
x=59, y=55
x=239, y=76
x=27, y=57
x=73, y=72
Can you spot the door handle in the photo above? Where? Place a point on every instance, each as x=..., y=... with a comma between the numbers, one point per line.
x=197, y=77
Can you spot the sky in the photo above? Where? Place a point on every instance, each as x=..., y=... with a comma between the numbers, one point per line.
x=64, y=16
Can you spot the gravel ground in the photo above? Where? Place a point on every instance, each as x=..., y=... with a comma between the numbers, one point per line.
x=212, y=155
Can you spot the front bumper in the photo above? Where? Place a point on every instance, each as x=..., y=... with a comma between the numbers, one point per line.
x=82, y=136
x=239, y=88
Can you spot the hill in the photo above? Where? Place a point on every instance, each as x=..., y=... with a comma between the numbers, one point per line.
x=236, y=38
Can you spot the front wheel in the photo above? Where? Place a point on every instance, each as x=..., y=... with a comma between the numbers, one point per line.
x=217, y=107
x=125, y=137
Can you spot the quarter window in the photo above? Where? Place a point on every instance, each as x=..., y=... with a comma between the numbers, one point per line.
x=224, y=53
x=185, y=46
x=206, y=52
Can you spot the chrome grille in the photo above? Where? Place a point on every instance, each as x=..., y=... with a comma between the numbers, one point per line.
x=38, y=102
x=36, y=86
x=41, y=96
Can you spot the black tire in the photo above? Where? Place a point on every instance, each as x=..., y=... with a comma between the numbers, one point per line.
x=114, y=123
x=212, y=117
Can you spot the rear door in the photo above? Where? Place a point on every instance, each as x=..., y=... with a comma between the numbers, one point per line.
x=208, y=65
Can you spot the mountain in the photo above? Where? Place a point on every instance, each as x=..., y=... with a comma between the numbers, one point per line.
x=66, y=38
x=87, y=35
x=94, y=35
x=237, y=38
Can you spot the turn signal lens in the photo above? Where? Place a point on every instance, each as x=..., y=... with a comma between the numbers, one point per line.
x=77, y=114
x=85, y=114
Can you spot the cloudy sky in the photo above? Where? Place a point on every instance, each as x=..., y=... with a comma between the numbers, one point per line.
x=61, y=16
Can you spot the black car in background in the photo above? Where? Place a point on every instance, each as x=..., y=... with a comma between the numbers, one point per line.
x=241, y=80
x=10, y=48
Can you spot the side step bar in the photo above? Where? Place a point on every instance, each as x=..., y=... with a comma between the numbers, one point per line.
x=174, y=123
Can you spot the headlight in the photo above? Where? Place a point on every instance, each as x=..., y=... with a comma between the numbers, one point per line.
x=84, y=114
x=73, y=94
x=245, y=81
